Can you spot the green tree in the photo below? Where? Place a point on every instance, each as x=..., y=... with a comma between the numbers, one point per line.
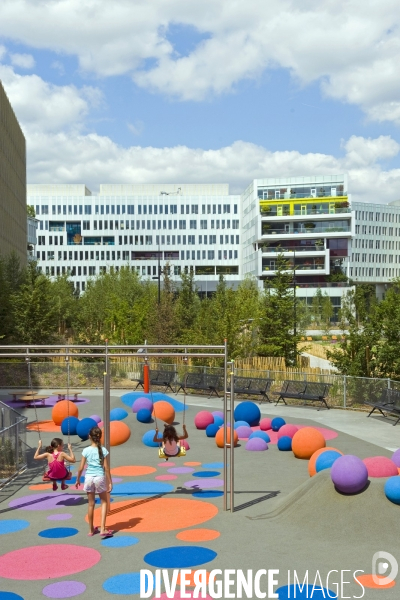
x=30, y=209
x=186, y=308
x=316, y=305
x=278, y=312
x=385, y=355
x=326, y=313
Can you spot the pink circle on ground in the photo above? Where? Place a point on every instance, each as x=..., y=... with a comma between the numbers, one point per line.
x=328, y=434
x=60, y=517
x=43, y=562
x=48, y=501
x=204, y=483
x=181, y=470
x=178, y=595
x=166, y=477
x=64, y=589
x=167, y=463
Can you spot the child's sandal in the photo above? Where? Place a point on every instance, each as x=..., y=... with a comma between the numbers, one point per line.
x=92, y=533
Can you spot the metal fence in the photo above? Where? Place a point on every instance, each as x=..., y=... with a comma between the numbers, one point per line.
x=12, y=443
x=345, y=391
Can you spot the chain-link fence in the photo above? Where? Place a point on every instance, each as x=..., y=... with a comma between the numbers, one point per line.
x=12, y=443
x=344, y=391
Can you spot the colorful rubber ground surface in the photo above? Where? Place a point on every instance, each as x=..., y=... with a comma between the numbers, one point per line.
x=168, y=515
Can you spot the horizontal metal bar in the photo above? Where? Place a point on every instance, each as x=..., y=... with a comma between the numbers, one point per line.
x=109, y=347
x=111, y=356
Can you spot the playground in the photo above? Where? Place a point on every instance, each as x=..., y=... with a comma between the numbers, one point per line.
x=169, y=514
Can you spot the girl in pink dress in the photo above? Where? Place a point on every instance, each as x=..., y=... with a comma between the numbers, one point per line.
x=55, y=457
x=170, y=440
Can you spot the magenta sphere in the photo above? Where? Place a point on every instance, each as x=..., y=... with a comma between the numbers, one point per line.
x=256, y=445
x=349, y=474
x=244, y=432
x=265, y=424
x=203, y=419
x=185, y=444
x=142, y=402
x=287, y=431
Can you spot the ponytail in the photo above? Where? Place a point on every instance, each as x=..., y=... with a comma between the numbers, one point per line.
x=54, y=444
x=95, y=435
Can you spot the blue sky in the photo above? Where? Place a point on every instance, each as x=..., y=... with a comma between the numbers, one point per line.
x=144, y=93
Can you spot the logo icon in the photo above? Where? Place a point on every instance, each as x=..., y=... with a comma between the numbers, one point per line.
x=381, y=562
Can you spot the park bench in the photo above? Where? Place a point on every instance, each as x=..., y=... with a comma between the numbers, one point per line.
x=252, y=386
x=304, y=390
x=29, y=399
x=200, y=381
x=159, y=378
x=21, y=393
x=65, y=395
x=388, y=402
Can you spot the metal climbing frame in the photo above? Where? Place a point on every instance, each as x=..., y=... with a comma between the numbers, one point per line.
x=106, y=352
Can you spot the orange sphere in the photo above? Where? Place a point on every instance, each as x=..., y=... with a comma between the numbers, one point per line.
x=119, y=433
x=306, y=441
x=164, y=411
x=313, y=460
x=62, y=410
x=219, y=438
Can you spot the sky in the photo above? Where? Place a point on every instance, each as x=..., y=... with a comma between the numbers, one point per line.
x=189, y=91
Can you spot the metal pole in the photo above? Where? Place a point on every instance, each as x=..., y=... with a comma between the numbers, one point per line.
x=225, y=507
x=159, y=272
x=68, y=374
x=106, y=400
x=232, y=448
x=294, y=307
x=344, y=391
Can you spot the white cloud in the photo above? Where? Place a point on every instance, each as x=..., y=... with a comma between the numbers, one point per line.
x=95, y=159
x=24, y=61
x=351, y=46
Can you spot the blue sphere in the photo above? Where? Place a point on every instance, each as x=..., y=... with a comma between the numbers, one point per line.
x=392, y=489
x=285, y=443
x=147, y=439
x=118, y=414
x=143, y=415
x=326, y=460
x=84, y=426
x=240, y=424
x=218, y=420
x=260, y=434
x=211, y=430
x=249, y=412
x=69, y=425
x=277, y=423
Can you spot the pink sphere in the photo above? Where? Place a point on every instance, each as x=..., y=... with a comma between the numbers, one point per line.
x=203, y=419
x=185, y=444
x=380, y=466
x=244, y=432
x=142, y=402
x=265, y=424
x=287, y=430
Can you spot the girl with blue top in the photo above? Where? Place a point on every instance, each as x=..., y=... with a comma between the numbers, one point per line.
x=97, y=480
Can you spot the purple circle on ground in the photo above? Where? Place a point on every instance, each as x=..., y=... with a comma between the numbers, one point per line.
x=204, y=483
x=60, y=517
x=116, y=479
x=167, y=463
x=64, y=589
x=48, y=501
x=49, y=402
x=181, y=470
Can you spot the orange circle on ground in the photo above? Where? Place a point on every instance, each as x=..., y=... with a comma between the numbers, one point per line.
x=156, y=514
x=132, y=471
x=313, y=460
x=44, y=426
x=41, y=486
x=190, y=579
x=198, y=535
x=368, y=582
x=192, y=464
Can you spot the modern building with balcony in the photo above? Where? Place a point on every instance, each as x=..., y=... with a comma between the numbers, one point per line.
x=13, y=222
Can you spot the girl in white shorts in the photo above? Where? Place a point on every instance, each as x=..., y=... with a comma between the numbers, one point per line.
x=97, y=480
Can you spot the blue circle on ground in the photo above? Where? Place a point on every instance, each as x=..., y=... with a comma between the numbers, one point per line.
x=10, y=596
x=277, y=423
x=143, y=415
x=58, y=532
x=207, y=494
x=143, y=489
x=327, y=459
x=123, y=585
x=206, y=474
x=98, y=501
x=13, y=525
x=214, y=465
x=147, y=439
x=69, y=425
x=260, y=434
x=122, y=541
x=285, y=443
x=118, y=414
x=179, y=557
x=211, y=430
x=306, y=591
x=129, y=399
